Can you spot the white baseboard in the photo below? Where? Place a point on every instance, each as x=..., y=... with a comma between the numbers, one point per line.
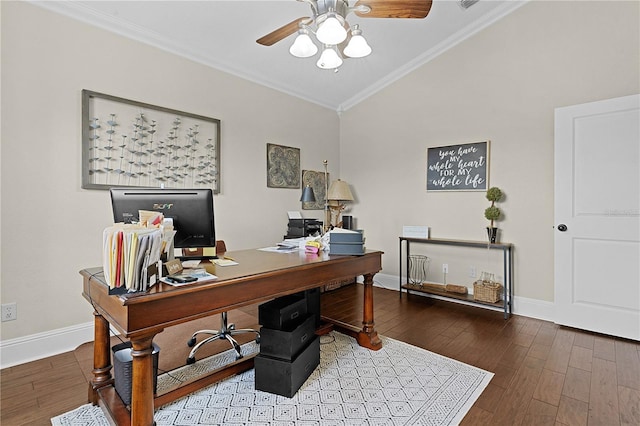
x=42, y=345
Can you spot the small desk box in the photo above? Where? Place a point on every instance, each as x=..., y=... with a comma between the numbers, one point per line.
x=346, y=243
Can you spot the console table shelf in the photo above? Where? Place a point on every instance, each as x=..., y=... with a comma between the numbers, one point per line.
x=465, y=297
x=505, y=304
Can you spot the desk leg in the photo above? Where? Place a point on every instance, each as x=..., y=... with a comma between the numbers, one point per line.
x=368, y=337
x=101, y=358
x=142, y=406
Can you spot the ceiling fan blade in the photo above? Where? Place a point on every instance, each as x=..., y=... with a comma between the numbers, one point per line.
x=281, y=33
x=416, y=9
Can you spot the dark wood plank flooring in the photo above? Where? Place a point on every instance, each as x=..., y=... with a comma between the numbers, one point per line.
x=544, y=374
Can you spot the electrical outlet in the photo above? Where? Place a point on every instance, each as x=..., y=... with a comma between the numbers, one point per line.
x=9, y=311
x=472, y=272
x=445, y=268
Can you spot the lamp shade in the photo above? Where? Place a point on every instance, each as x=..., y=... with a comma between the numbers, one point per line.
x=339, y=190
x=331, y=31
x=303, y=47
x=308, y=195
x=329, y=59
x=357, y=46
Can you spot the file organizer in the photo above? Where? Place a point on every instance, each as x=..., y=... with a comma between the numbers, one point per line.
x=131, y=257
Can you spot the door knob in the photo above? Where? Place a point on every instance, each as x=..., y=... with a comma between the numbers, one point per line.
x=562, y=227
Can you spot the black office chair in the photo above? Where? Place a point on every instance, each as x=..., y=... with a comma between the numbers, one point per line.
x=227, y=331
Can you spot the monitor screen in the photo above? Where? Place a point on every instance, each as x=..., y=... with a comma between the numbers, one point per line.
x=190, y=209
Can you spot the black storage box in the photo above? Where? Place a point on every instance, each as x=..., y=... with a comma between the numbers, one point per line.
x=313, y=303
x=123, y=369
x=283, y=312
x=283, y=377
x=287, y=344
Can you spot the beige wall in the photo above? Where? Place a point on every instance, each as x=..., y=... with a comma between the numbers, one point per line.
x=51, y=228
x=501, y=85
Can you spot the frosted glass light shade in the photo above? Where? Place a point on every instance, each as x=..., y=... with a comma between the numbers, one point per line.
x=329, y=59
x=331, y=31
x=303, y=47
x=357, y=47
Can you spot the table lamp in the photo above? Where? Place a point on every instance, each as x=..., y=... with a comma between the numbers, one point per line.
x=338, y=192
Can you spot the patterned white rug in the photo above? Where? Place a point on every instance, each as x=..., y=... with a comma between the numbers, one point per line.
x=397, y=385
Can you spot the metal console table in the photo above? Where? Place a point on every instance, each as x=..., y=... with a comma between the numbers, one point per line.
x=507, y=263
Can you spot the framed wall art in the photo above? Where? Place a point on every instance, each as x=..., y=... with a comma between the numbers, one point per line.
x=462, y=167
x=128, y=143
x=318, y=182
x=283, y=166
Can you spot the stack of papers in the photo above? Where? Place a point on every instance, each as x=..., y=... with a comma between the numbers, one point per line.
x=128, y=251
x=225, y=262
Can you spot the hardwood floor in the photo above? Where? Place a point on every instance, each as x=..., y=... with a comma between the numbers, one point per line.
x=544, y=374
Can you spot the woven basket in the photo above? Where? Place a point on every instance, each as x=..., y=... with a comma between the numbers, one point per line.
x=487, y=291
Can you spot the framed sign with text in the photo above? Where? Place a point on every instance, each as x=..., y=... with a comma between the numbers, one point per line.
x=462, y=167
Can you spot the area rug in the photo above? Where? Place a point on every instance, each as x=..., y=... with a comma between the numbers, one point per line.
x=398, y=385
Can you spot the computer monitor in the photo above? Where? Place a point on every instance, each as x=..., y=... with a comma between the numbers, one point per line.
x=190, y=209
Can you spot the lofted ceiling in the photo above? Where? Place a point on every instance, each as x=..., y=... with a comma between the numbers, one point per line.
x=223, y=34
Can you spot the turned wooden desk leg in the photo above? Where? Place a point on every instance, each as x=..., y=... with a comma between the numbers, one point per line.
x=101, y=358
x=142, y=407
x=368, y=337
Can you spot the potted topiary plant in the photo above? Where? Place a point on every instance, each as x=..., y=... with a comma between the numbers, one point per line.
x=493, y=213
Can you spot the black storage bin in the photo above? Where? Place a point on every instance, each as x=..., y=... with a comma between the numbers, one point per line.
x=283, y=312
x=313, y=304
x=287, y=344
x=283, y=377
x=123, y=369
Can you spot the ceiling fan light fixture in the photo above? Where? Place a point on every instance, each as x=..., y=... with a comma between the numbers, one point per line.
x=303, y=46
x=357, y=46
x=331, y=30
x=329, y=59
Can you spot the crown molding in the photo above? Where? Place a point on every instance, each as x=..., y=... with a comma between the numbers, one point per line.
x=82, y=13
x=450, y=42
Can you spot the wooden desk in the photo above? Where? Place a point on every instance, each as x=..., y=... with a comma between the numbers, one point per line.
x=260, y=276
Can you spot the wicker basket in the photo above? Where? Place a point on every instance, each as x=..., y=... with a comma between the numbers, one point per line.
x=487, y=291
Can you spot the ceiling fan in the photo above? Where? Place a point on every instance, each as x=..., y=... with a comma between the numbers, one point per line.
x=329, y=25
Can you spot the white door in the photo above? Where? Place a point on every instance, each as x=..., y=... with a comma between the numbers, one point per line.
x=597, y=214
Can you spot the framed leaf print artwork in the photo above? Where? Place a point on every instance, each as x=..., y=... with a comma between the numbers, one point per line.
x=130, y=143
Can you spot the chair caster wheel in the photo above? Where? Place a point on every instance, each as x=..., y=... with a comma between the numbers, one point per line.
x=192, y=342
x=191, y=361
